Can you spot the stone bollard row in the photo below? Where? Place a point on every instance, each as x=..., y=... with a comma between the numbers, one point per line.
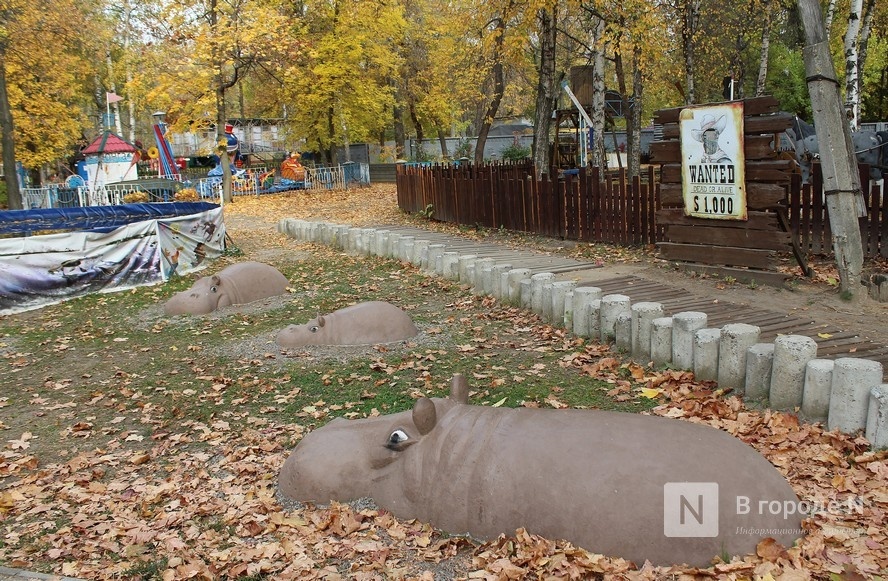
x=846, y=393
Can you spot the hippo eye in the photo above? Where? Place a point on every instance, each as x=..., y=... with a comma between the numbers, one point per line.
x=212, y=289
x=397, y=438
x=314, y=328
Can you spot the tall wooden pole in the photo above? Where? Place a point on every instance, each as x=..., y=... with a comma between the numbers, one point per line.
x=841, y=180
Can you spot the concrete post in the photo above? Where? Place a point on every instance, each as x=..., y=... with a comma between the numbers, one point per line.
x=377, y=243
x=611, y=308
x=583, y=297
x=546, y=314
x=759, y=361
x=622, y=330
x=450, y=265
x=391, y=249
x=853, y=379
x=526, y=293
x=364, y=242
x=661, y=341
x=684, y=326
x=877, y=417
x=465, y=262
x=407, y=248
x=403, y=243
x=478, y=280
x=791, y=356
x=351, y=244
x=559, y=292
x=498, y=289
x=643, y=315
x=537, y=282
x=736, y=339
x=818, y=386
x=431, y=259
x=420, y=250
x=706, y=343
x=568, y=314
x=513, y=284
x=593, y=319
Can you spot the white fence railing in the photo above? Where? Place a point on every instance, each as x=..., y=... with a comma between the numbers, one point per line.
x=250, y=182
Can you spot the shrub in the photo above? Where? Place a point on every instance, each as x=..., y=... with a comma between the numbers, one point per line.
x=186, y=195
x=516, y=152
x=136, y=197
x=463, y=149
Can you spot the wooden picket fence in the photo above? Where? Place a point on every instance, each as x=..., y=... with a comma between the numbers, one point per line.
x=577, y=207
x=809, y=216
x=614, y=210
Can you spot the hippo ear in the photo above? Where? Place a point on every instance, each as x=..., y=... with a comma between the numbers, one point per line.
x=424, y=415
x=321, y=321
x=216, y=280
x=459, y=388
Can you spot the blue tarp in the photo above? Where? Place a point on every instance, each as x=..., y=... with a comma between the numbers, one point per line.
x=94, y=218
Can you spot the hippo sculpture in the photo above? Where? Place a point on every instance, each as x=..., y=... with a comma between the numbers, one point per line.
x=239, y=283
x=361, y=324
x=626, y=485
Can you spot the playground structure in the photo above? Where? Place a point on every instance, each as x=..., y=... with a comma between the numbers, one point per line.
x=112, y=175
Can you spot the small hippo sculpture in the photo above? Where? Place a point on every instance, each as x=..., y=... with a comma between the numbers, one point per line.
x=239, y=283
x=361, y=324
x=625, y=485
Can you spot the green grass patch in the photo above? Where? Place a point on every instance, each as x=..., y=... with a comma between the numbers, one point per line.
x=112, y=356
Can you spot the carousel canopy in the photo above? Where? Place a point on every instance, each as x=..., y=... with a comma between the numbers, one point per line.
x=109, y=142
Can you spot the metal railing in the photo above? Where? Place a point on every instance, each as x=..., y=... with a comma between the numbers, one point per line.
x=253, y=181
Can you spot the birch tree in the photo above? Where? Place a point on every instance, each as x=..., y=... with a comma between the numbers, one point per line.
x=852, y=65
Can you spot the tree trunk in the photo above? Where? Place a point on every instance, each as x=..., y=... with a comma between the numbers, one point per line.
x=13, y=193
x=442, y=139
x=115, y=107
x=498, y=90
x=545, y=97
x=841, y=180
x=763, y=54
x=400, y=138
x=830, y=15
x=222, y=141
x=598, y=118
x=863, y=45
x=690, y=17
x=624, y=99
x=633, y=121
x=221, y=118
x=852, y=72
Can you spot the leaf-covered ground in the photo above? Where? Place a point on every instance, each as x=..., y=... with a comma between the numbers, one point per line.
x=137, y=446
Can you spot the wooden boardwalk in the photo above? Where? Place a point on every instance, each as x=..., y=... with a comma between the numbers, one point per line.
x=832, y=342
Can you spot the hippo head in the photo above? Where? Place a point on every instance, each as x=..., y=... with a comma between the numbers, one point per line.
x=205, y=296
x=314, y=332
x=350, y=459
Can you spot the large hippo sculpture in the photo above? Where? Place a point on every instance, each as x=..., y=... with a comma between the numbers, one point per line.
x=239, y=283
x=633, y=486
x=361, y=324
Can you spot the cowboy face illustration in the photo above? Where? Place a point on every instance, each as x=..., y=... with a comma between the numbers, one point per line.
x=708, y=134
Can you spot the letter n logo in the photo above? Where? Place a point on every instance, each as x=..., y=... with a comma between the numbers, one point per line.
x=690, y=509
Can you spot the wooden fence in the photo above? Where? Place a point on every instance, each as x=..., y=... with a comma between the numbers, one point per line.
x=577, y=207
x=809, y=217
x=580, y=207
